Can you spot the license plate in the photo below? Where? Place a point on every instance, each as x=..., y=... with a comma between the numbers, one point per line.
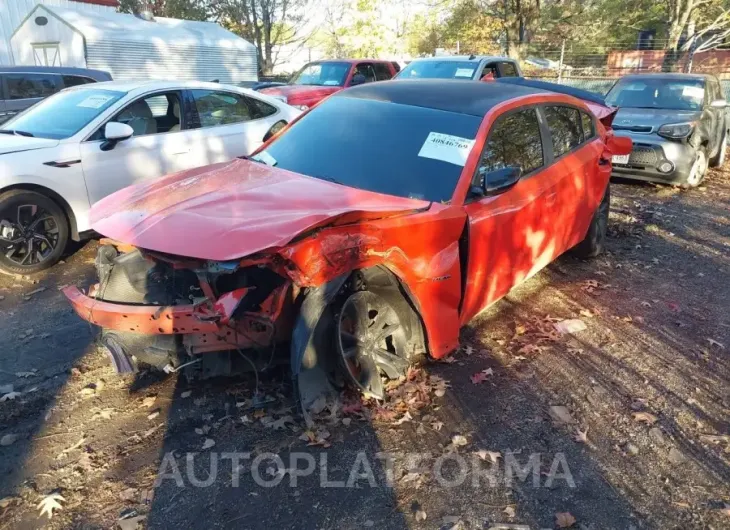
x=620, y=159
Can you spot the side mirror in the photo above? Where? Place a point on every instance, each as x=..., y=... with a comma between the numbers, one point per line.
x=500, y=180
x=619, y=145
x=275, y=129
x=357, y=79
x=718, y=104
x=115, y=132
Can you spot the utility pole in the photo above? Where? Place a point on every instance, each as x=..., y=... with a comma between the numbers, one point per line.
x=560, y=64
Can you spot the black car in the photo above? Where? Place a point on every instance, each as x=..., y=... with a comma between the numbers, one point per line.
x=678, y=125
x=23, y=86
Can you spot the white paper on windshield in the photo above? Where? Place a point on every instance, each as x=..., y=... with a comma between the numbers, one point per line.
x=94, y=102
x=445, y=147
x=695, y=92
x=265, y=157
x=463, y=72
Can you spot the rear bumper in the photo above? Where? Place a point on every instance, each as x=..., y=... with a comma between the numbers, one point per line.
x=650, y=152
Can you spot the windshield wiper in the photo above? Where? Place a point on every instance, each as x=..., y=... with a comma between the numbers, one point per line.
x=16, y=132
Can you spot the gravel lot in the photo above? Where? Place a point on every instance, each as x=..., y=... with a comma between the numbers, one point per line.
x=625, y=424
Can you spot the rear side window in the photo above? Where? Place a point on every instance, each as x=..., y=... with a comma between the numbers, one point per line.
x=514, y=141
x=565, y=128
x=382, y=72
x=26, y=86
x=508, y=70
x=589, y=130
x=260, y=109
x=75, y=80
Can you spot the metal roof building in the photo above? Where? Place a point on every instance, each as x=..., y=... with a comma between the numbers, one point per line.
x=130, y=47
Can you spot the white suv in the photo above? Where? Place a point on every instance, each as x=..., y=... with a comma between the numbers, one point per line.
x=72, y=149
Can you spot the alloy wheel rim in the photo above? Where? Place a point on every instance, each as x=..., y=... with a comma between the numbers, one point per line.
x=371, y=341
x=28, y=235
x=698, y=169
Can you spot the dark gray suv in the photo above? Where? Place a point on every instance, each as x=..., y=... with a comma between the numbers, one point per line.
x=23, y=86
x=677, y=123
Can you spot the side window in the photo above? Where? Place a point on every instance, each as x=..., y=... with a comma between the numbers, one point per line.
x=25, y=86
x=366, y=70
x=222, y=108
x=154, y=114
x=489, y=72
x=75, y=80
x=260, y=108
x=508, y=69
x=589, y=130
x=382, y=72
x=565, y=128
x=514, y=141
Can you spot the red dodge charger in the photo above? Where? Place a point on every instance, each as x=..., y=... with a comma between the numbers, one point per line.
x=360, y=239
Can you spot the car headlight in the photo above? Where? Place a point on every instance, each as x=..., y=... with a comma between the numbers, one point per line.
x=676, y=130
x=301, y=107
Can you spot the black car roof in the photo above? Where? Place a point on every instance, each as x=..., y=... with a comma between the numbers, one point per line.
x=463, y=97
x=667, y=75
x=98, y=75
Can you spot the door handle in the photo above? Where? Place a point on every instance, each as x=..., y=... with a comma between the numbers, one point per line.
x=62, y=163
x=179, y=151
x=550, y=199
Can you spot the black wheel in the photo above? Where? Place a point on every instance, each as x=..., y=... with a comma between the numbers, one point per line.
x=33, y=232
x=371, y=339
x=719, y=159
x=592, y=245
x=698, y=171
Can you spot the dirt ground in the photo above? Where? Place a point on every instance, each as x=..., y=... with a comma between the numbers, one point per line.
x=623, y=425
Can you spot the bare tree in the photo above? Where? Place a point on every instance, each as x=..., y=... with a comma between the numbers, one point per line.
x=269, y=24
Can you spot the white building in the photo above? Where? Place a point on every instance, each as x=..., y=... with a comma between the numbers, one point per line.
x=129, y=47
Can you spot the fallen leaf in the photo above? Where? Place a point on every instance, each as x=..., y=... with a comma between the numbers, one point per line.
x=492, y=456
x=187, y=394
x=437, y=425
x=50, y=503
x=564, y=520
x=573, y=325
x=713, y=342
x=131, y=523
x=9, y=439
x=458, y=440
x=561, y=414
x=581, y=436
x=448, y=360
x=509, y=511
x=481, y=376
x=281, y=423
x=9, y=396
x=644, y=417
x=104, y=414
x=128, y=494
x=209, y=442
x=149, y=401
x=406, y=417
x=24, y=374
x=420, y=516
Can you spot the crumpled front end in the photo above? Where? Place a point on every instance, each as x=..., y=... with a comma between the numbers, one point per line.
x=168, y=312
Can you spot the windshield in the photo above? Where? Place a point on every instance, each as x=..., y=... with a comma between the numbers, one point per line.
x=658, y=93
x=439, y=70
x=63, y=114
x=324, y=74
x=378, y=146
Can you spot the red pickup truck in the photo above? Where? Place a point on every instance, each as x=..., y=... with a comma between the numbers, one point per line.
x=319, y=79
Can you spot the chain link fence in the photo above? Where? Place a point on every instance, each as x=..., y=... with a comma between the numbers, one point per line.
x=596, y=68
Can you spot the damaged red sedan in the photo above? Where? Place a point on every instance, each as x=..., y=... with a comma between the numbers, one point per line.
x=360, y=240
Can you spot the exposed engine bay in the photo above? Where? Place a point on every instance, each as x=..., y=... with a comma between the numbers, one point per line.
x=211, y=319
